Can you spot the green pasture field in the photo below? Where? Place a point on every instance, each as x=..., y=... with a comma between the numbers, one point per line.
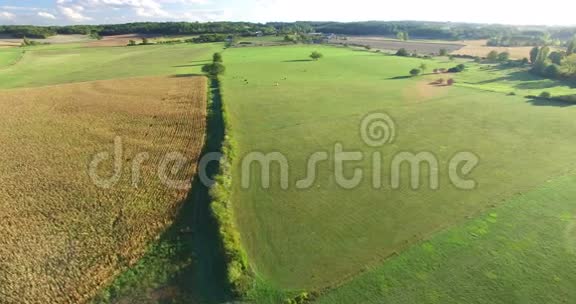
x=511, y=80
x=310, y=239
x=521, y=252
x=54, y=64
x=9, y=56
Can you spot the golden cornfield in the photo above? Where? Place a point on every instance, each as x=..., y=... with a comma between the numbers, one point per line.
x=62, y=236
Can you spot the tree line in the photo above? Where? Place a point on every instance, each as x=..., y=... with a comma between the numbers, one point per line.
x=502, y=35
x=556, y=64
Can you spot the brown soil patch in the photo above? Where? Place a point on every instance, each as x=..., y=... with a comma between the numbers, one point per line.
x=383, y=43
x=117, y=40
x=424, y=90
x=479, y=48
x=61, y=236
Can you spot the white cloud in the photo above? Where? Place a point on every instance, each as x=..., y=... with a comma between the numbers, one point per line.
x=18, y=8
x=73, y=12
x=46, y=15
x=76, y=10
x=7, y=15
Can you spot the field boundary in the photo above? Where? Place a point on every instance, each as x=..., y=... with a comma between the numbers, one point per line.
x=15, y=62
x=240, y=275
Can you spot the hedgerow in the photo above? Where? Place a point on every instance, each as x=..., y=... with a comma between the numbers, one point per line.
x=239, y=274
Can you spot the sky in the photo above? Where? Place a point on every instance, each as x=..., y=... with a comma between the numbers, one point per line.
x=61, y=12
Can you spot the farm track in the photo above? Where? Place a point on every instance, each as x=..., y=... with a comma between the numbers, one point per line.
x=15, y=62
x=62, y=237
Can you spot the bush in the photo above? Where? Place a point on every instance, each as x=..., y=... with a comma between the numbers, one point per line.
x=492, y=56
x=552, y=71
x=415, y=72
x=402, y=52
x=450, y=82
x=504, y=56
x=214, y=69
x=207, y=38
x=316, y=55
x=457, y=69
x=217, y=57
x=545, y=95
x=443, y=52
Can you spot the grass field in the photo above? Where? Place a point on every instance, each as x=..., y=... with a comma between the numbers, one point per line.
x=522, y=252
x=63, y=237
x=53, y=64
x=314, y=238
x=9, y=56
x=511, y=80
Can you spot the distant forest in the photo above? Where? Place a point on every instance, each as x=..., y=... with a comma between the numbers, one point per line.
x=504, y=35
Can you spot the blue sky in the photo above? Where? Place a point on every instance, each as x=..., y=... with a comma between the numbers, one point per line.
x=45, y=12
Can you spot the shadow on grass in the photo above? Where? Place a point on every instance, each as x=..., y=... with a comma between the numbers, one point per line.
x=186, y=75
x=186, y=265
x=188, y=65
x=528, y=80
x=536, y=85
x=298, y=60
x=399, y=77
x=543, y=102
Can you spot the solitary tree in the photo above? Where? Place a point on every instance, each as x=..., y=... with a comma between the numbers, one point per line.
x=552, y=71
x=443, y=52
x=25, y=42
x=402, y=36
x=504, y=56
x=402, y=52
x=556, y=57
x=450, y=82
x=569, y=63
x=492, y=56
x=131, y=42
x=534, y=54
x=540, y=63
x=145, y=41
x=316, y=55
x=571, y=47
x=217, y=57
x=415, y=72
x=423, y=67
x=214, y=69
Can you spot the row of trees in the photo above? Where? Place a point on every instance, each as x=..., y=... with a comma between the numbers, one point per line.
x=215, y=68
x=554, y=64
x=500, y=34
x=157, y=28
